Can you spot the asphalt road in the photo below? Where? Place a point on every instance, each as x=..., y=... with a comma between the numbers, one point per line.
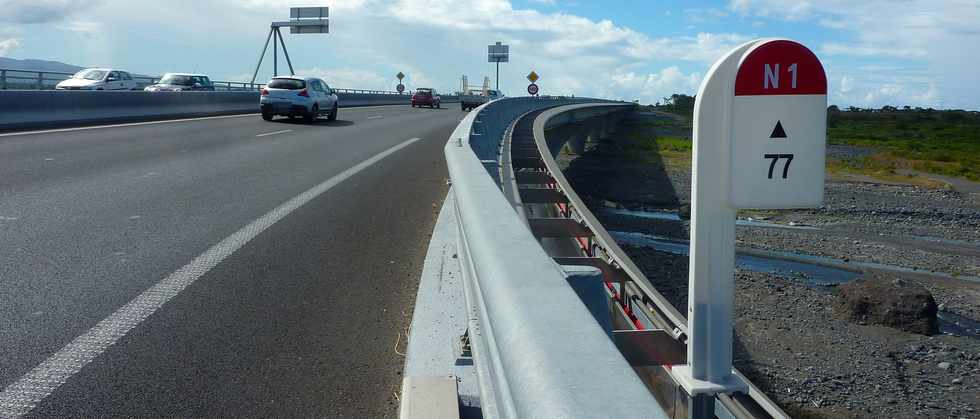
x=302, y=320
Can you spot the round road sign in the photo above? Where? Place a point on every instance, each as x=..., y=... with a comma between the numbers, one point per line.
x=532, y=89
x=400, y=87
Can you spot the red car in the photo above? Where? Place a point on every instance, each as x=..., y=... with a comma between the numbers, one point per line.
x=426, y=97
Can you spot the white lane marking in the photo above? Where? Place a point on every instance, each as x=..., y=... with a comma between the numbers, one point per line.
x=134, y=124
x=274, y=133
x=131, y=124
x=376, y=117
x=20, y=397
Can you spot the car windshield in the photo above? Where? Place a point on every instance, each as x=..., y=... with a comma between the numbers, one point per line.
x=177, y=79
x=90, y=74
x=290, y=84
x=424, y=91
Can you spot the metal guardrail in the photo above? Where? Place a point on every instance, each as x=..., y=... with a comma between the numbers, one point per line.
x=534, y=356
x=12, y=79
x=640, y=305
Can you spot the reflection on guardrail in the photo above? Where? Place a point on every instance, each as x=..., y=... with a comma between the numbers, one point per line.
x=12, y=79
x=536, y=349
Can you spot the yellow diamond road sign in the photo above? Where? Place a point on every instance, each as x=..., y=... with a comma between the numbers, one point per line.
x=400, y=75
x=533, y=77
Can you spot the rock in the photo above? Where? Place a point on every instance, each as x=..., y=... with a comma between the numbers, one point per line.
x=957, y=381
x=888, y=301
x=944, y=365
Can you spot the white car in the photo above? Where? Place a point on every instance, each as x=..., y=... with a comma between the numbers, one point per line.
x=99, y=79
x=292, y=96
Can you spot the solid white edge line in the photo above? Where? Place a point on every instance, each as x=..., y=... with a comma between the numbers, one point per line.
x=167, y=121
x=274, y=133
x=20, y=397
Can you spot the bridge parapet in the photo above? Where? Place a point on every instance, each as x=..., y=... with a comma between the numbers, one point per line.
x=537, y=350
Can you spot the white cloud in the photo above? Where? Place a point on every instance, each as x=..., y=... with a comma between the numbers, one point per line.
x=705, y=15
x=650, y=88
x=8, y=45
x=865, y=50
x=940, y=37
x=846, y=84
x=88, y=28
x=41, y=11
x=347, y=78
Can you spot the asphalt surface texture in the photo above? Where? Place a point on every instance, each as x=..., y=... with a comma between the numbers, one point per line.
x=305, y=320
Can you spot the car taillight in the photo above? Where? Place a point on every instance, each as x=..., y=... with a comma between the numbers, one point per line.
x=265, y=92
x=304, y=93
x=414, y=96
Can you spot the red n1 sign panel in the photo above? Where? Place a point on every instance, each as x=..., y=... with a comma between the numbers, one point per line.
x=779, y=125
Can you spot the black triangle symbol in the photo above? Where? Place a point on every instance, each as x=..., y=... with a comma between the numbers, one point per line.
x=778, y=132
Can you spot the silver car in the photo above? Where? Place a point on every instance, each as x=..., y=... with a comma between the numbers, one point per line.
x=296, y=96
x=99, y=79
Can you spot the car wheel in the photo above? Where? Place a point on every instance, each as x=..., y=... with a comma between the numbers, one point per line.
x=310, y=117
x=333, y=113
x=267, y=116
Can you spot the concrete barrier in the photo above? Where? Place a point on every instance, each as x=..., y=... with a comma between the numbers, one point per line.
x=26, y=109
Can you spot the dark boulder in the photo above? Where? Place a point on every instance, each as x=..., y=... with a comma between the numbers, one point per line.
x=889, y=301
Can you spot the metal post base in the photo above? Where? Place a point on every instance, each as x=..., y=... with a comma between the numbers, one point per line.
x=701, y=407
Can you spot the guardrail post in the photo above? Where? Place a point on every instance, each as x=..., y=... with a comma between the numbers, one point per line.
x=3, y=79
x=40, y=80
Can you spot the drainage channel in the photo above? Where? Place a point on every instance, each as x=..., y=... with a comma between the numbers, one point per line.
x=813, y=275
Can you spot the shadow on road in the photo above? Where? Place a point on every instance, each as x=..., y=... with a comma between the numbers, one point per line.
x=318, y=123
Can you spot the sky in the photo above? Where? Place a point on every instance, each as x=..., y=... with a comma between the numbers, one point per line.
x=876, y=52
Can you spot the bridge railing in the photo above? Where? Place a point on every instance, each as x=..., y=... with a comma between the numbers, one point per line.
x=12, y=79
x=639, y=306
x=537, y=349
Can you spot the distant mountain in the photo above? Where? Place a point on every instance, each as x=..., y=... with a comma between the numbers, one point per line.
x=37, y=65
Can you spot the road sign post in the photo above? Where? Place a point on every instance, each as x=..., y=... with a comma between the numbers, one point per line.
x=498, y=53
x=759, y=142
x=532, y=89
x=400, y=87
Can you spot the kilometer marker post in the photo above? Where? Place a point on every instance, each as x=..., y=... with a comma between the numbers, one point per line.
x=760, y=125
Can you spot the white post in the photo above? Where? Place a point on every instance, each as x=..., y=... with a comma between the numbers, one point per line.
x=741, y=160
x=712, y=261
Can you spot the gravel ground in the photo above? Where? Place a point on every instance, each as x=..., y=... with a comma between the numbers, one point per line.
x=791, y=345
x=787, y=339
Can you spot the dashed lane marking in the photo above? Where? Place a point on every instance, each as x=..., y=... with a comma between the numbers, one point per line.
x=274, y=133
x=20, y=397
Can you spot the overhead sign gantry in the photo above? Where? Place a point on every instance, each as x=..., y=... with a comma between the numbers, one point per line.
x=301, y=20
x=760, y=124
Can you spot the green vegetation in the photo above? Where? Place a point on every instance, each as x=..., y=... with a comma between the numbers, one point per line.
x=679, y=104
x=645, y=144
x=904, y=140
x=927, y=140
